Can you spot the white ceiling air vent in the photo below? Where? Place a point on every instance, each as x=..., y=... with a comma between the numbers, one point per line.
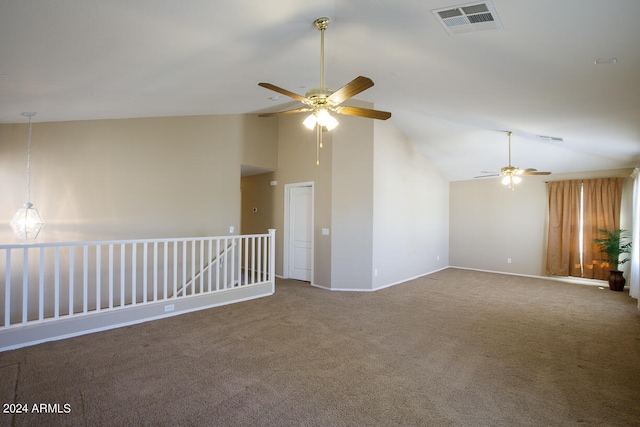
x=549, y=138
x=468, y=18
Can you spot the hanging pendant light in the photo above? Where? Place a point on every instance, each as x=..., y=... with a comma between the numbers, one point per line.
x=27, y=223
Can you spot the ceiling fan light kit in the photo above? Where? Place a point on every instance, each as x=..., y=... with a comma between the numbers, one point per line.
x=322, y=101
x=321, y=118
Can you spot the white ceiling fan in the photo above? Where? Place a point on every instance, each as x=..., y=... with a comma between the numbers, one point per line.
x=511, y=174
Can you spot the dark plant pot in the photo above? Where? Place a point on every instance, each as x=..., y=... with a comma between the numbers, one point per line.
x=616, y=281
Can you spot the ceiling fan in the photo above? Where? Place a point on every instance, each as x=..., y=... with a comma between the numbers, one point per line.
x=511, y=174
x=322, y=101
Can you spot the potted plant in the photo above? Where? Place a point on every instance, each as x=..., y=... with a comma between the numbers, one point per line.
x=612, y=244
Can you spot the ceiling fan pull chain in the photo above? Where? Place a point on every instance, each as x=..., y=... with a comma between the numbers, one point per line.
x=318, y=143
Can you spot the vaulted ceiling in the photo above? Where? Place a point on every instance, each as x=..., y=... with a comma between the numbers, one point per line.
x=565, y=69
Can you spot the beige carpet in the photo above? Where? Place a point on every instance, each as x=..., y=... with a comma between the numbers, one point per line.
x=455, y=348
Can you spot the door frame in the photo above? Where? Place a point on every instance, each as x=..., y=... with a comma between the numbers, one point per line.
x=287, y=224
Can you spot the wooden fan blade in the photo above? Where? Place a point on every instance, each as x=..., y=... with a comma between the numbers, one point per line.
x=298, y=110
x=533, y=172
x=351, y=89
x=284, y=92
x=363, y=112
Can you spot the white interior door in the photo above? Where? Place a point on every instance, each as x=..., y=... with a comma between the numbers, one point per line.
x=300, y=227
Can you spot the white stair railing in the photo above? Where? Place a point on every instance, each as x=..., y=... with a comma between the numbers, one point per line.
x=46, y=282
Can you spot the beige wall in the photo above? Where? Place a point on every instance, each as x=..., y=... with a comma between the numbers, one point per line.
x=259, y=141
x=297, y=164
x=352, y=204
x=257, y=204
x=131, y=178
x=411, y=210
x=385, y=205
x=490, y=223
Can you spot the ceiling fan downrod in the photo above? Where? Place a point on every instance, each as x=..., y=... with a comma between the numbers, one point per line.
x=509, y=135
x=321, y=24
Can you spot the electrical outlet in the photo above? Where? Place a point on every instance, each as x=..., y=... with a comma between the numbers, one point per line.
x=169, y=307
x=508, y=260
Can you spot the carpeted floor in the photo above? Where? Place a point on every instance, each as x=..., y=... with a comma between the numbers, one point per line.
x=455, y=348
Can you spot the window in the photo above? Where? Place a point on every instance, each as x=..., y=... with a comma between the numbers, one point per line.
x=577, y=210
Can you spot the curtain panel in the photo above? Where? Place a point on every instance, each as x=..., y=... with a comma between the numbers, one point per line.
x=634, y=273
x=563, y=255
x=601, y=210
x=581, y=207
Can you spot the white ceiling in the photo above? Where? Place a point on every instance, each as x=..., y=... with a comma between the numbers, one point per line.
x=451, y=95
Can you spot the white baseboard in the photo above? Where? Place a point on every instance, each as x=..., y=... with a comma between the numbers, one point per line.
x=379, y=287
x=577, y=280
x=409, y=279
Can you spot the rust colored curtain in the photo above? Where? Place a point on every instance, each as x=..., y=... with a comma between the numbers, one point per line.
x=563, y=254
x=601, y=205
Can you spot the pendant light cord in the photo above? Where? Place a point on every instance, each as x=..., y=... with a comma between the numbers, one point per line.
x=29, y=164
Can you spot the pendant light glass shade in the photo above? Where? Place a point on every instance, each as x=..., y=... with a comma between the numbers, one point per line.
x=27, y=222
